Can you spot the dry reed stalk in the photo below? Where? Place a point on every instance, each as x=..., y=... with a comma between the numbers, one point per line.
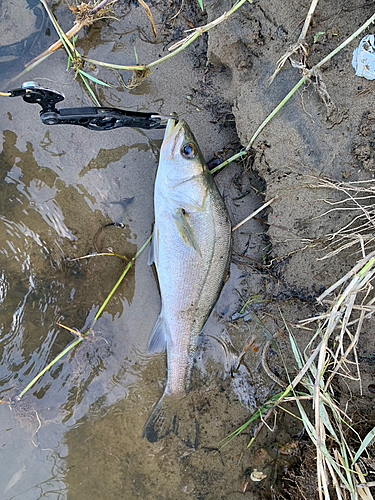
x=354, y=295
x=359, y=200
x=300, y=46
x=85, y=16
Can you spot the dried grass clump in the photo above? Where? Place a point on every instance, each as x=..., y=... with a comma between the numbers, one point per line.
x=350, y=300
x=330, y=354
x=359, y=201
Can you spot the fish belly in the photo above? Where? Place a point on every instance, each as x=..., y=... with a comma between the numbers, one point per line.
x=190, y=283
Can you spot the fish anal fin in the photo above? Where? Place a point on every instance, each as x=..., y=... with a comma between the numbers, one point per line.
x=158, y=342
x=185, y=230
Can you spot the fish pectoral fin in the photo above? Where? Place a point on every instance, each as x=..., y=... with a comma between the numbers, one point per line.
x=153, y=256
x=190, y=194
x=185, y=230
x=158, y=341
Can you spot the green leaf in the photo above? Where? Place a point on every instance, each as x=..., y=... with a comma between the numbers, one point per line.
x=88, y=87
x=370, y=436
x=200, y=4
x=92, y=78
x=136, y=56
x=69, y=60
x=317, y=35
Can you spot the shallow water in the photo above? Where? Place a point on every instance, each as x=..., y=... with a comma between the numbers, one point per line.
x=77, y=433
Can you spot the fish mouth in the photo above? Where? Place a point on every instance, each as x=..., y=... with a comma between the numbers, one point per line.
x=172, y=125
x=172, y=136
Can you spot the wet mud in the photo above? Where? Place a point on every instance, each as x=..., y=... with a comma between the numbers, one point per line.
x=77, y=434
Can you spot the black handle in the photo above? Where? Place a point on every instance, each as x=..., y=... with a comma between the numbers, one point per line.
x=93, y=118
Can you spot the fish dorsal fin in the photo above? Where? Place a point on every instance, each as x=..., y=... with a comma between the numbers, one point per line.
x=158, y=341
x=185, y=230
x=154, y=248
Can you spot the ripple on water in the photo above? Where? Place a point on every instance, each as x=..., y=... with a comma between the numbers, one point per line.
x=4, y=285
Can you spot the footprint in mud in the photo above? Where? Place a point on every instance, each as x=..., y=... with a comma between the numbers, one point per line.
x=245, y=382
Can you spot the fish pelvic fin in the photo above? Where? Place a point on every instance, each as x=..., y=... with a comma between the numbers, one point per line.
x=153, y=256
x=158, y=339
x=171, y=416
x=185, y=230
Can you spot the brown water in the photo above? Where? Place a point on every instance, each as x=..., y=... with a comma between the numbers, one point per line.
x=77, y=433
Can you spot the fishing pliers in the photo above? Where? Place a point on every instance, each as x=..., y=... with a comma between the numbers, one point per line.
x=93, y=118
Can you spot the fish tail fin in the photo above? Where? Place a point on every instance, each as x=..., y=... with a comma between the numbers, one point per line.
x=172, y=415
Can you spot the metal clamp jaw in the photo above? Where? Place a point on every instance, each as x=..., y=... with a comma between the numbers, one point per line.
x=93, y=118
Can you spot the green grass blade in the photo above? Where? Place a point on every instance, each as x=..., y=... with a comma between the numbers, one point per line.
x=257, y=414
x=35, y=379
x=29, y=68
x=88, y=87
x=100, y=82
x=370, y=436
x=76, y=342
x=240, y=429
x=263, y=327
x=366, y=267
x=275, y=111
x=67, y=43
x=136, y=56
x=311, y=432
x=129, y=265
x=327, y=422
x=253, y=298
x=188, y=41
x=310, y=386
x=296, y=352
x=226, y=162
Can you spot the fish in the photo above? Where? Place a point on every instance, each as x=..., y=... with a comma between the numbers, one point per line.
x=191, y=250
x=15, y=478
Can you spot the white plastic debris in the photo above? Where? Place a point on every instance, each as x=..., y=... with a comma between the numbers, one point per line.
x=364, y=58
x=257, y=475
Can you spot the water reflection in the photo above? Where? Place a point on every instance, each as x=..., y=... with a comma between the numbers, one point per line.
x=23, y=35
x=44, y=224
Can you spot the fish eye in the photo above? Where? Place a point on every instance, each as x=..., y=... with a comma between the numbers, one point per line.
x=189, y=150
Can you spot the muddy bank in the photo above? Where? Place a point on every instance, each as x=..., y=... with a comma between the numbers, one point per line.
x=306, y=141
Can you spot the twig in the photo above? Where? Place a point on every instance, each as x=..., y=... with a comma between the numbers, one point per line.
x=100, y=5
x=178, y=47
x=256, y=212
x=57, y=45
